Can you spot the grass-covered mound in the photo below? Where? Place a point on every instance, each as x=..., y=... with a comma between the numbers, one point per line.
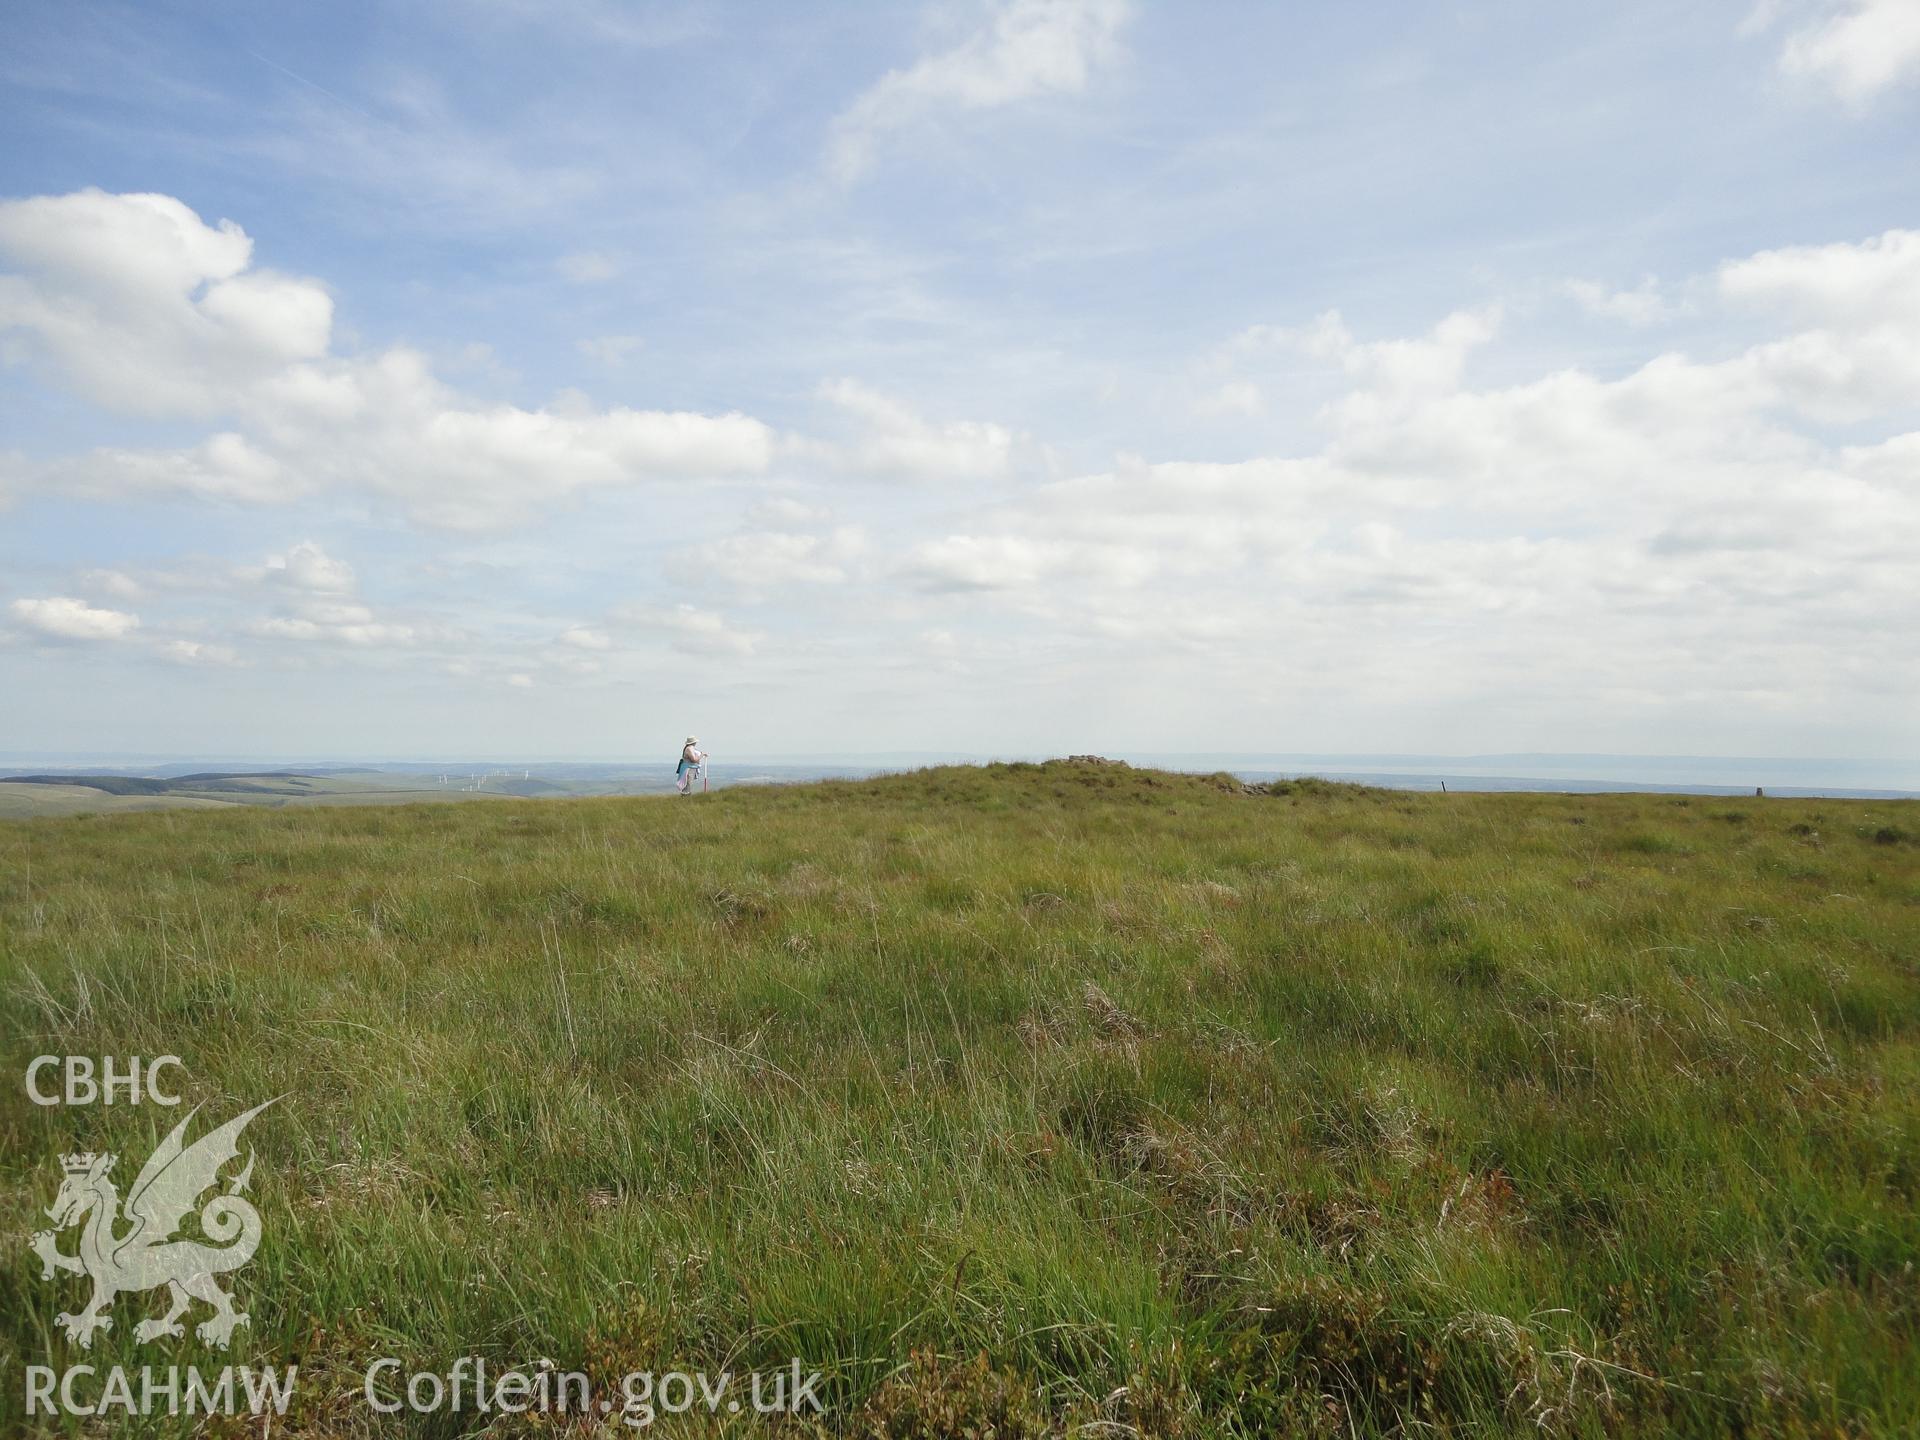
x=1027, y=1097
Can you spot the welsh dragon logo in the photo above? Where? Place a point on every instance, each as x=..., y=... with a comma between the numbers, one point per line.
x=147, y=1254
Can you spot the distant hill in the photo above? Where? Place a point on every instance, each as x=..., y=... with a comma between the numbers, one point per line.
x=30, y=796
x=86, y=789
x=112, y=784
x=37, y=801
x=148, y=785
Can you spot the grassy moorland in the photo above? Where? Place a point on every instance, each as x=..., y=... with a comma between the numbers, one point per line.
x=1029, y=1100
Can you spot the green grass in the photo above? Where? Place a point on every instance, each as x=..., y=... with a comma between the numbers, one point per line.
x=117, y=794
x=29, y=802
x=1026, y=1098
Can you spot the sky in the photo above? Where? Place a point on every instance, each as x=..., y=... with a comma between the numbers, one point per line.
x=558, y=379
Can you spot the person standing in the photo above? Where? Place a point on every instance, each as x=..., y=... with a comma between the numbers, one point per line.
x=693, y=761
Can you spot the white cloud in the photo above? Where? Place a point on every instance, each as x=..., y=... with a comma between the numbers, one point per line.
x=784, y=510
x=1118, y=532
x=272, y=316
x=222, y=467
x=520, y=682
x=1029, y=49
x=1858, y=48
x=351, y=626
x=1893, y=462
x=992, y=562
x=1679, y=531
x=314, y=597
x=1639, y=307
x=1677, y=524
x=142, y=307
x=1429, y=364
x=1235, y=378
x=116, y=583
x=198, y=652
x=146, y=309
x=389, y=427
x=333, y=613
x=692, y=631
x=1845, y=286
x=1859, y=353
x=892, y=442
x=478, y=469
x=1235, y=397
x=768, y=558
x=286, y=629
x=609, y=350
x=60, y=617
x=307, y=567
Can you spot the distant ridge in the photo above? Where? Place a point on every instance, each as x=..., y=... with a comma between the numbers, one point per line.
x=148, y=785
x=300, y=780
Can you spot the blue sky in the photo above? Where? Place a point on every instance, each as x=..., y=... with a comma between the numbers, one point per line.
x=558, y=379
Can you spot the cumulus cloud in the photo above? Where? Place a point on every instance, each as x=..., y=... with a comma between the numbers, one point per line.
x=1028, y=49
x=313, y=600
x=761, y=559
x=1683, y=530
x=307, y=567
x=1857, y=48
x=986, y=562
x=63, y=618
x=1682, y=520
x=1139, y=528
x=1424, y=365
x=1846, y=286
x=391, y=428
x=471, y=468
x=144, y=308
x=348, y=625
x=891, y=441
x=226, y=466
x=198, y=652
x=691, y=630
x=1894, y=461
